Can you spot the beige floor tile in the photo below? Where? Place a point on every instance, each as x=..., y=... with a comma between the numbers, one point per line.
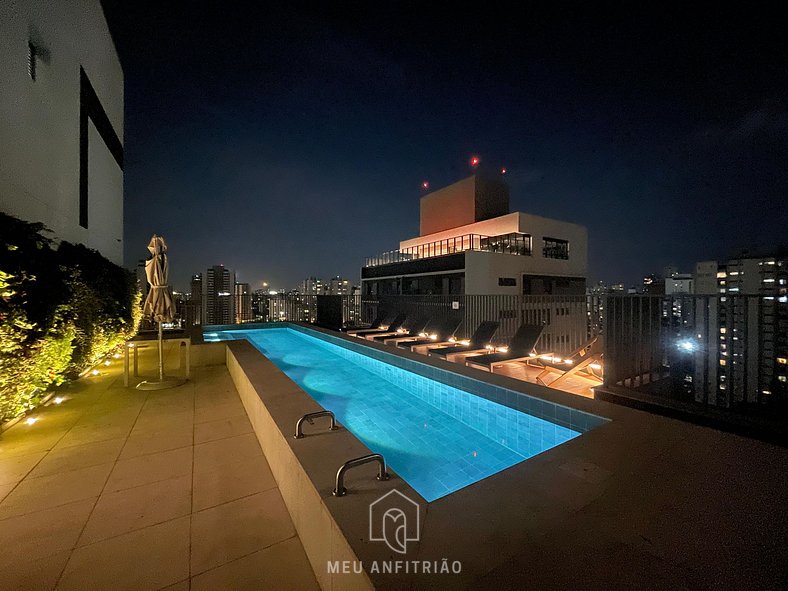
x=149, y=442
x=15, y=468
x=42, y=533
x=238, y=528
x=229, y=427
x=215, y=397
x=211, y=455
x=130, y=509
x=14, y=443
x=219, y=411
x=82, y=434
x=231, y=481
x=150, y=468
x=33, y=494
x=281, y=566
x=146, y=559
x=160, y=420
x=33, y=574
x=79, y=456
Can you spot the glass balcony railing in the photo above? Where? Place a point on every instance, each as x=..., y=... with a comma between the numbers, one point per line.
x=513, y=243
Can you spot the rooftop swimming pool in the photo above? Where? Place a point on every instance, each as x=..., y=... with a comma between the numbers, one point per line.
x=437, y=437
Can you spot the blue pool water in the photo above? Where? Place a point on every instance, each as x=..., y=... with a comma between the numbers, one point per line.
x=439, y=439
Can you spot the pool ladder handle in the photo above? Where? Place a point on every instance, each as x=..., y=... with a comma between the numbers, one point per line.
x=299, y=428
x=339, y=488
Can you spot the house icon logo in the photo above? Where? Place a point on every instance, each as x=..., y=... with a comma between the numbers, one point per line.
x=394, y=519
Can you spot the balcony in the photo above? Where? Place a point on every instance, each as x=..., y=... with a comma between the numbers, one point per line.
x=513, y=243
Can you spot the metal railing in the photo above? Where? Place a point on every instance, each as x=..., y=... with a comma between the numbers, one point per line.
x=565, y=318
x=513, y=243
x=722, y=353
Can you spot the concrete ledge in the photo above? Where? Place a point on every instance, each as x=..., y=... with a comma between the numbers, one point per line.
x=206, y=354
x=274, y=404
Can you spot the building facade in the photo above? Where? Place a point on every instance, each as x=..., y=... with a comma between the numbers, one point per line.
x=312, y=286
x=743, y=330
x=218, y=296
x=61, y=121
x=339, y=286
x=471, y=244
x=508, y=254
x=243, y=303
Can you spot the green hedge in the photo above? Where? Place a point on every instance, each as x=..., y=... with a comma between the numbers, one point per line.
x=62, y=309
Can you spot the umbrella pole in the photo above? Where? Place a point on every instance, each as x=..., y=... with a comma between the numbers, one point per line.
x=162, y=383
x=161, y=356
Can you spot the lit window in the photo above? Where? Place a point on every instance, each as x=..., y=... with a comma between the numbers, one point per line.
x=723, y=330
x=782, y=360
x=723, y=362
x=721, y=274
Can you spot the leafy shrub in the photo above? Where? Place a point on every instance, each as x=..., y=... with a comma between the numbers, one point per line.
x=61, y=311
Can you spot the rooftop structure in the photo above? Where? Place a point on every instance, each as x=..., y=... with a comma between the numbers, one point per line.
x=471, y=244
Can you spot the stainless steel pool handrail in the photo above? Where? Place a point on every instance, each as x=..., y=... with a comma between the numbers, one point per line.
x=299, y=433
x=339, y=488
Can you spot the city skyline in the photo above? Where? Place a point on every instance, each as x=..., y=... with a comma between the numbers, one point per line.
x=665, y=137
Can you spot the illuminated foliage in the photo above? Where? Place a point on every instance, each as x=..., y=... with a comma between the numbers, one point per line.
x=61, y=310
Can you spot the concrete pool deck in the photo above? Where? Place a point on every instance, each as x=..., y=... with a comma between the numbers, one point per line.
x=122, y=489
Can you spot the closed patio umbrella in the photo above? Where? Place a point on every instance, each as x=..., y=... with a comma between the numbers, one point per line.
x=158, y=305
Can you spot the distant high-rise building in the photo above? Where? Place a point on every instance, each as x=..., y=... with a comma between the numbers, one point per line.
x=679, y=283
x=243, y=303
x=338, y=286
x=745, y=330
x=218, y=292
x=312, y=286
x=194, y=308
x=260, y=304
x=181, y=302
x=705, y=278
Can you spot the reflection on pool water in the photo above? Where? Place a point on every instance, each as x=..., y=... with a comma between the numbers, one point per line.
x=439, y=439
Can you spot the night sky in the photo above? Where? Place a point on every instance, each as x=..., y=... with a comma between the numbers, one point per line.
x=285, y=142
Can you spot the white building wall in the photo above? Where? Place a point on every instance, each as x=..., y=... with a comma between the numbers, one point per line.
x=40, y=120
x=537, y=227
x=483, y=269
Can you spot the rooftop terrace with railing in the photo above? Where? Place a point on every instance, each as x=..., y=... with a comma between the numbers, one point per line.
x=513, y=243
